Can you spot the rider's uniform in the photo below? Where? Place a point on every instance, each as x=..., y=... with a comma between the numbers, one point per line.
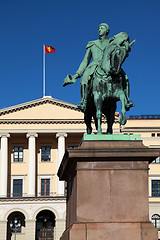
x=94, y=51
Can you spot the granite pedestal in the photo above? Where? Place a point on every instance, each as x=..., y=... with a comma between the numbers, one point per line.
x=107, y=190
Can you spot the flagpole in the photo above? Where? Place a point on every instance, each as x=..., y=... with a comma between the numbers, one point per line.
x=44, y=71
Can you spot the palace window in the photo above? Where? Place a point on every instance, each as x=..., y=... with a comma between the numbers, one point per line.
x=155, y=188
x=17, y=187
x=18, y=154
x=156, y=221
x=45, y=154
x=45, y=187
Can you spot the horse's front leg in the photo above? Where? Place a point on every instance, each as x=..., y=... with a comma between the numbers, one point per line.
x=123, y=100
x=98, y=105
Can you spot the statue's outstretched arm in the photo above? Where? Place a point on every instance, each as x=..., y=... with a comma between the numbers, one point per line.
x=72, y=79
x=84, y=63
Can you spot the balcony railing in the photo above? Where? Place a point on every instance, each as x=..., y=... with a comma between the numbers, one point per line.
x=146, y=116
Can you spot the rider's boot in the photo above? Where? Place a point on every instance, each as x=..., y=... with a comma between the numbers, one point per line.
x=82, y=105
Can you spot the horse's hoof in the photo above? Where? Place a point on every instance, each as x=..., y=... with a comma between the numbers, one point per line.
x=129, y=105
x=109, y=133
x=123, y=120
x=89, y=131
x=99, y=133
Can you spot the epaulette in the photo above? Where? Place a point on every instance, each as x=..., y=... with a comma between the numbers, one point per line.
x=90, y=44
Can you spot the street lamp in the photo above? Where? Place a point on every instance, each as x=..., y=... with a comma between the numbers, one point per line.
x=15, y=226
x=45, y=219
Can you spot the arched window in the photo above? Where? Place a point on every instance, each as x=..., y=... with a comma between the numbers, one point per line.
x=16, y=222
x=156, y=221
x=45, y=224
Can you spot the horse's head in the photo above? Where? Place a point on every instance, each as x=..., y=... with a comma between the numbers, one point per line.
x=121, y=38
x=116, y=53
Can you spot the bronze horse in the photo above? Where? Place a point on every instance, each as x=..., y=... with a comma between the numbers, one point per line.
x=108, y=85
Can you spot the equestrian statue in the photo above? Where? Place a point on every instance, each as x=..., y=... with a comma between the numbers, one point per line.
x=103, y=81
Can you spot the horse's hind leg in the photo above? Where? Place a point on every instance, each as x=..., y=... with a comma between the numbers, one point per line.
x=87, y=120
x=95, y=120
x=110, y=115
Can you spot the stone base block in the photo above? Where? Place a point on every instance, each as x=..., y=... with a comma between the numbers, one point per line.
x=111, y=231
x=107, y=189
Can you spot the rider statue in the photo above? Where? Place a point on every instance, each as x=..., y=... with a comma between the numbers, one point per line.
x=94, y=51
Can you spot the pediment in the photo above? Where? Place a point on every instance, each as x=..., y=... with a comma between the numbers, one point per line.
x=46, y=108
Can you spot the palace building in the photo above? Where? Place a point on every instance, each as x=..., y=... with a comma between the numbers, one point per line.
x=33, y=139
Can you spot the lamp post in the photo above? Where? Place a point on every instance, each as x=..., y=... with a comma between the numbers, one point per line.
x=14, y=226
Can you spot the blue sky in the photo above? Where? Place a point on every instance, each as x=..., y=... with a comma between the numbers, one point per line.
x=68, y=26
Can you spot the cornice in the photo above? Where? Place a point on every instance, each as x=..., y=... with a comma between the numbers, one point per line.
x=38, y=102
x=140, y=129
x=48, y=121
x=33, y=199
x=41, y=121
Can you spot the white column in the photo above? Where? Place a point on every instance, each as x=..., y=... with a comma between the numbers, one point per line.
x=4, y=165
x=59, y=228
x=31, y=163
x=61, y=151
x=3, y=229
x=30, y=230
